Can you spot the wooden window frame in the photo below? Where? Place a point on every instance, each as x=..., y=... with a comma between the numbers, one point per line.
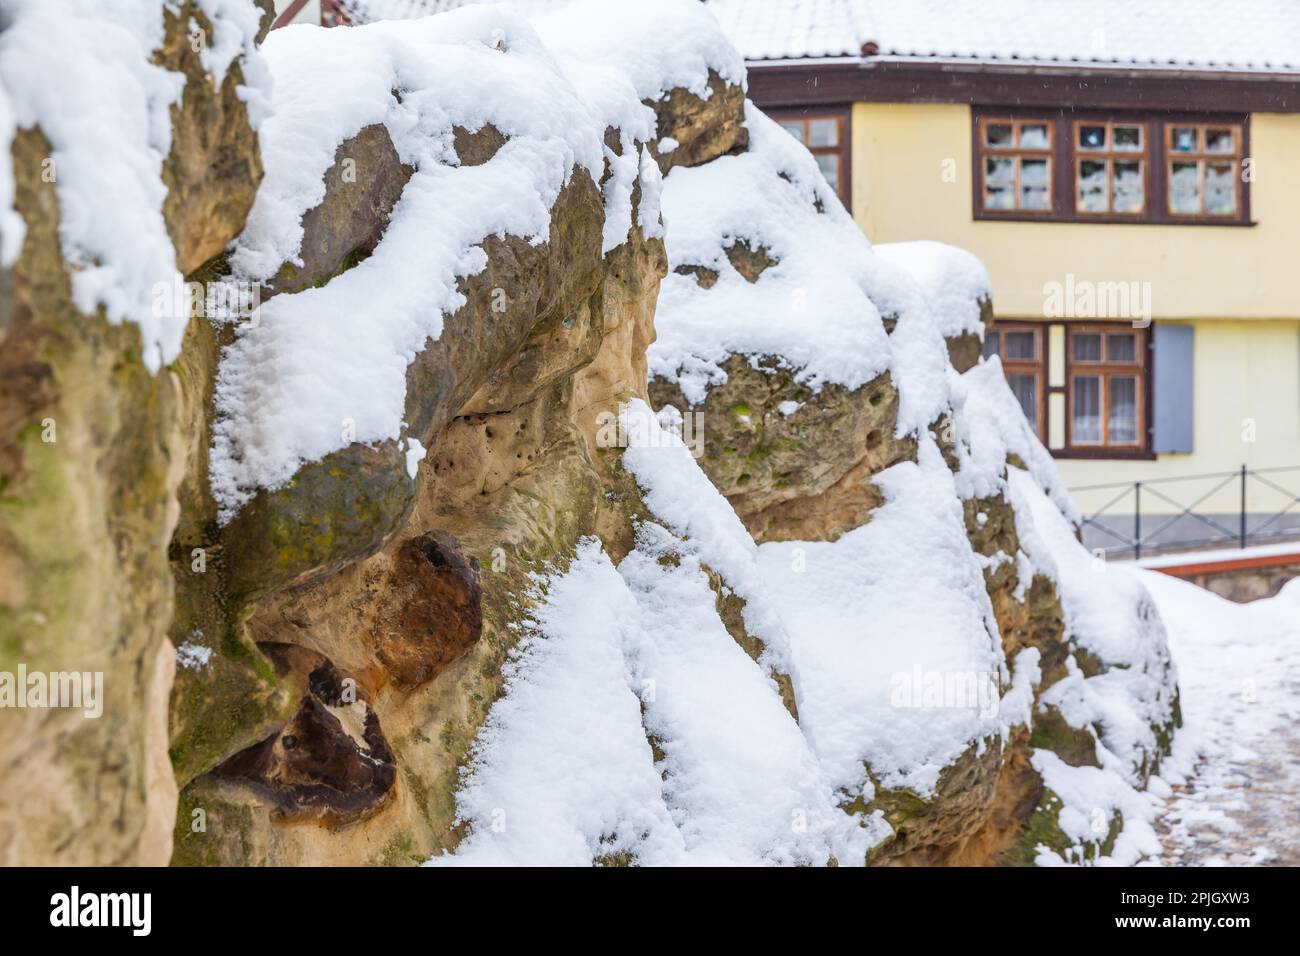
x=1036, y=366
x=1105, y=369
x=1201, y=156
x=985, y=152
x=843, y=118
x=1110, y=156
x=1065, y=155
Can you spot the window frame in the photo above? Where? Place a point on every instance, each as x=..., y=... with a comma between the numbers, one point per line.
x=843, y=117
x=984, y=152
x=1036, y=366
x=1065, y=157
x=1110, y=155
x=1143, y=368
x=1203, y=157
x=1105, y=369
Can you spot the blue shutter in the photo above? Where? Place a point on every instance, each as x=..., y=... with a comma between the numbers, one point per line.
x=1172, y=391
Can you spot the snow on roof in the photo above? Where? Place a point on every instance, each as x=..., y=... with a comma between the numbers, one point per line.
x=1259, y=36
x=1231, y=35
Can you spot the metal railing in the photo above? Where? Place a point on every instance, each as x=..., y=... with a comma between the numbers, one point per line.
x=1163, y=529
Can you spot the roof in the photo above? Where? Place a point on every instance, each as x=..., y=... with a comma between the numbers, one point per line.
x=1252, y=36
x=1258, y=36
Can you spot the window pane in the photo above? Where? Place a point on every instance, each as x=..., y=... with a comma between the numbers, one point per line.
x=997, y=134
x=1184, y=187
x=1220, y=189
x=1033, y=184
x=1092, y=137
x=990, y=344
x=824, y=132
x=1121, y=347
x=999, y=183
x=1092, y=185
x=1033, y=136
x=1087, y=346
x=794, y=128
x=1025, y=387
x=830, y=167
x=1128, y=138
x=1184, y=139
x=1218, y=141
x=1019, y=346
x=1086, y=410
x=1123, y=410
x=1127, y=187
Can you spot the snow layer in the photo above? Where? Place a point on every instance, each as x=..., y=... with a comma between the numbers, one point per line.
x=1259, y=35
x=1109, y=614
x=327, y=366
x=819, y=309
x=1235, y=769
x=82, y=71
x=659, y=46
x=681, y=496
x=953, y=281
x=848, y=604
x=990, y=427
x=561, y=772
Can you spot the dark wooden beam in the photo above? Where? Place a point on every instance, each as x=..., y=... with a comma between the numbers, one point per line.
x=791, y=86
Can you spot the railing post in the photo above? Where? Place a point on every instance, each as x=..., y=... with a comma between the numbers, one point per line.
x=1243, y=506
x=1137, y=520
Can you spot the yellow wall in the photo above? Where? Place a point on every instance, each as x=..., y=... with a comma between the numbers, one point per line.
x=1238, y=286
x=901, y=152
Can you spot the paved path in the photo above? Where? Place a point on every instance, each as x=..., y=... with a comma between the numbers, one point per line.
x=1235, y=797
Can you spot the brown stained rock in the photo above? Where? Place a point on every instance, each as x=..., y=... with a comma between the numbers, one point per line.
x=703, y=128
x=331, y=761
x=437, y=609
x=477, y=147
x=361, y=188
x=346, y=506
x=705, y=277
x=750, y=260
x=1035, y=620
x=802, y=476
x=89, y=462
x=929, y=832
x=1017, y=792
x=731, y=611
x=964, y=350
x=215, y=164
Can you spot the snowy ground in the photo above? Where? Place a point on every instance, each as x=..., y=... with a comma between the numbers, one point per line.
x=1235, y=775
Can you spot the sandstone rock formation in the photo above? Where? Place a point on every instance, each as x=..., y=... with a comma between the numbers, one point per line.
x=424, y=529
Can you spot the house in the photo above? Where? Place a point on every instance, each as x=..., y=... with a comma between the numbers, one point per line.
x=1124, y=171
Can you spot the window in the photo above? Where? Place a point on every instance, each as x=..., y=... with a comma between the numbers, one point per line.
x=1106, y=370
x=1064, y=166
x=826, y=137
x=1110, y=167
x=1021, y=350
x=1099, y=390
x=1203, y=160
x=1016, y=165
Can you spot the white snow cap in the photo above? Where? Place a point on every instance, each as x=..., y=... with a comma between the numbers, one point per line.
x=1248, y=35
x=818, y=310
x=82, y=71
x=327, y=366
